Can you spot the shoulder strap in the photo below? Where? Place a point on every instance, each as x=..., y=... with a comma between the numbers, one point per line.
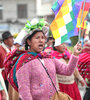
x=48, y=74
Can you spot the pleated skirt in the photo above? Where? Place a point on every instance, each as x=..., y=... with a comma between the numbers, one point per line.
x=71, y=89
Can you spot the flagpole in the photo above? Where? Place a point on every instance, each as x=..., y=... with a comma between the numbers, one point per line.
x=81, y=21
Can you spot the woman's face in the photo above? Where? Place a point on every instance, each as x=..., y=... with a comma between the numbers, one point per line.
x=37, y=42
x=61, y=48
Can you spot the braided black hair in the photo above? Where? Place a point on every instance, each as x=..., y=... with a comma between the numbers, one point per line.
x=26, y=46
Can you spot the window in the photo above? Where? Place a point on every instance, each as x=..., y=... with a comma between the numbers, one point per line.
x=1, y=12
x=22, y=10
x=46, y=1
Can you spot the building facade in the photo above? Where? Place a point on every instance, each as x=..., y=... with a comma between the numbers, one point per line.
x=15, y=13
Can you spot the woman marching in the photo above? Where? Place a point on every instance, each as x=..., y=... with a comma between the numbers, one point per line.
x=31, y=78
x=67, y=84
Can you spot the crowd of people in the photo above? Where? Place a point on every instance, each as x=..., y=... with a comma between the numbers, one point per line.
x=34, y=61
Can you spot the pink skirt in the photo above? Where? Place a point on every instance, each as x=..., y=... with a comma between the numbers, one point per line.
x=70, y=89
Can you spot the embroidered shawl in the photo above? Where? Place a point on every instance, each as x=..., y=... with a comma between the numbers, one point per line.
x=84, y=67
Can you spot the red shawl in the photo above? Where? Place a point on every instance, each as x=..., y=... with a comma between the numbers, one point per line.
x=84, y=67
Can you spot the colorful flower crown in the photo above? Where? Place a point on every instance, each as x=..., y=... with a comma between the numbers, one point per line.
x=29, y=28
x=34, y=24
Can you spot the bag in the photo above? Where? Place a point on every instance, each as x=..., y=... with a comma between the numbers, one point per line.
x=61, y=96
x=58, y=95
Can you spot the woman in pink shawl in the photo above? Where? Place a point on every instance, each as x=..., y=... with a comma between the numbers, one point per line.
x=32, y=80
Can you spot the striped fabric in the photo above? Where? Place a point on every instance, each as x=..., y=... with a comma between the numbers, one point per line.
x=64, y=25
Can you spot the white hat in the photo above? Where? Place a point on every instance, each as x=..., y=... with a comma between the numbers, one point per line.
x=21, y=36
x=45, y=29
x=30, y=27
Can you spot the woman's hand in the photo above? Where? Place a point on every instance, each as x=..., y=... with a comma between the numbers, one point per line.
x=77, y=49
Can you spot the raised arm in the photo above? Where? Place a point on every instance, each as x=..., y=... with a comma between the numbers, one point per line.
x=66, y=69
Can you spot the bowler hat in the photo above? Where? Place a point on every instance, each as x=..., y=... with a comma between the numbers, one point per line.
x=6, y=35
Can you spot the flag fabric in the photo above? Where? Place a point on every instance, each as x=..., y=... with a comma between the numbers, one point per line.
x=56, y=6
x=85, y=24
x=78, y=0
x=86, y=9
x=64, y=25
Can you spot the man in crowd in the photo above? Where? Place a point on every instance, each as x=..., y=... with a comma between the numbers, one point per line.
x=5, y=47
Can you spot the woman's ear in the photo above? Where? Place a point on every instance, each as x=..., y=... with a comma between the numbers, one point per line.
x=29, y=42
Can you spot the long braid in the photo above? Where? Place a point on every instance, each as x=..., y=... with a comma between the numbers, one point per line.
x=26, y=46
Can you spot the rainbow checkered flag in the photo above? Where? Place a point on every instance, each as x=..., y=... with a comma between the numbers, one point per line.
x=64, y=25
x=86, y=9
x=56, y=6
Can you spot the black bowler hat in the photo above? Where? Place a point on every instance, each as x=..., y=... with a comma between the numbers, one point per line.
x=6, y=35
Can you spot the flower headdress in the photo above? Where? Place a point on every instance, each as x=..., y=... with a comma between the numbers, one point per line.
x=34, y=24
x=29, y=28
